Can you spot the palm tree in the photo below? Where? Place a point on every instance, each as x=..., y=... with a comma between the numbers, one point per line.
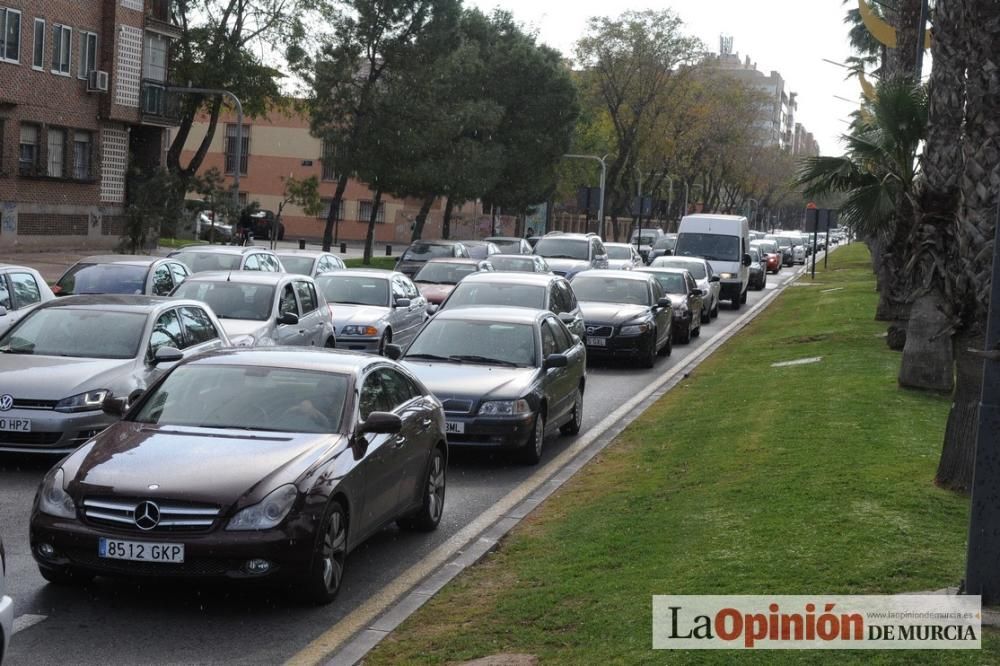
x=877, y=174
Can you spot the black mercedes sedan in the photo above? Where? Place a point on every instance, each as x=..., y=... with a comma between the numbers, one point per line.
x=507, y=376
x=625, y=314
x=269, y=464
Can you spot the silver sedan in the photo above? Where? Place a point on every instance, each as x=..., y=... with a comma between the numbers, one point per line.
x=703, y=275
x=21, y=289
x=372, y=308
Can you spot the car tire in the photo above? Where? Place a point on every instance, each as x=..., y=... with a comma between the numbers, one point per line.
x=574, y=425
x=322, y=582
x=706, y=316
x=427, y=517
x=697, y=331
x=65, y=576
x=531, y=452
x=668, y=348
x=385, y=340
x=331, y=343
x=684, y=336
x=743, y=297
x=648, y=359
x=715, y=310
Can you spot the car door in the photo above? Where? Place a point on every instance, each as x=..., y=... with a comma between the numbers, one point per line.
x=574, y=350
x=598, y=254
x=167, y=331
x=161, y=282
x=566, y=304
x=310, y=318
x=413, y=443
x=288, y=334
x=179, y=272
x=383, y=458
x=663, y=316
x=200, y=334
x=412, y=316
x=557, y=383
x=695, y=302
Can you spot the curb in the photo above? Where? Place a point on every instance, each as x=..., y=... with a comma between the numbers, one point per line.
x=364, y=640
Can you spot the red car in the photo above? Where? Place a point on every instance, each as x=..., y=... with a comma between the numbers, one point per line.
x=437, y=277
x=770, y=250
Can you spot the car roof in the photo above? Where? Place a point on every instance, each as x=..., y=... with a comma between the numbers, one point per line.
x=118, y=302
x=675, y=257
x=506, y=315
x=476, y=243
x=224, y=249
x=297, y=358
x=245, y=277
x=437, y=241
x=455, y=260
x=624, y=275
x=618, y=245
x=661, y=269
x=571, y=236
x=508, y=255
x=507, y=277
x=303, y=253
x=493, y=239
x=130, y=259
x=16, y=267
x=380, y=273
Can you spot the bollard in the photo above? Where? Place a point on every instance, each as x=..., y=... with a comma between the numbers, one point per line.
x=343, y=248
x=302, y=243
x=388, y=250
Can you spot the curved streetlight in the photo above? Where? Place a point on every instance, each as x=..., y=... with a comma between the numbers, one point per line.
x=604, y=172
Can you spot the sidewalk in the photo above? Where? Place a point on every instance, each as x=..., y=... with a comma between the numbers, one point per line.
x=53, y=264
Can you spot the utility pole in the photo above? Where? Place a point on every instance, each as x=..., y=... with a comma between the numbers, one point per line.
x=921, y=31
x=982, y=576
x=604, y=172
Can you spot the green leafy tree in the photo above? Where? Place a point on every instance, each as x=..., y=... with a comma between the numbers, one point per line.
x=157, y=202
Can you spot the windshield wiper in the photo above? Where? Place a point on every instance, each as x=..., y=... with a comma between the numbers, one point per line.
x=472, y=358
x=427, y=281
x=429, y=357
x=349, y=303
x=18, y=350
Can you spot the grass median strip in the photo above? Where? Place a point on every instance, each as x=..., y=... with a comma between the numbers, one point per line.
x=745, y=479
x=388, y=263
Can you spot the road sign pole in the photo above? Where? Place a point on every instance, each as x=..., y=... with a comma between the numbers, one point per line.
x=826, y=252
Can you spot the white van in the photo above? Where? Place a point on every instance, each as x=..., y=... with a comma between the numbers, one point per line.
x=724, y=241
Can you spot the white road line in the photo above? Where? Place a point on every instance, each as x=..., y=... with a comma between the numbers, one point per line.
x=22, y=622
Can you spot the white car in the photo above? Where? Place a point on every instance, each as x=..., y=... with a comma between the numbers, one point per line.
x=258, y=309
x=6, y=608
x=703, y=275
x=21, y=289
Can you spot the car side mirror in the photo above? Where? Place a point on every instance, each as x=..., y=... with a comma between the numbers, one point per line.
x=393, y=352
x=288, y=319
x=3, y=311
x=381, y=423
x=664, y=302
x=555, y=361
x=697, y=292
x=167, y=355
x=115, y=407
x=715, y=278
x=402, y=303
x=746, y=260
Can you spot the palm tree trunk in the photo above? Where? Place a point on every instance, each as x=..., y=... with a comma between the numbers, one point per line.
x=927, y=358
x=958, y=452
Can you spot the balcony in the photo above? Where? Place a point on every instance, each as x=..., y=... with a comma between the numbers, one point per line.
x=157, y=105
x=159, y=18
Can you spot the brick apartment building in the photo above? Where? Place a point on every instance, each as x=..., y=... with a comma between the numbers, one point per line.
x=81, y=103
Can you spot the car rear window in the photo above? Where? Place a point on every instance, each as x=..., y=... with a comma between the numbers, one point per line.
x=296, y=264
x=425, y=251
x=200, y=262
x=102, y=279
x=514, y=295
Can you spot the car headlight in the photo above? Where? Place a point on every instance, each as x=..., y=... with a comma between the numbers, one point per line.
x=727, y=276
x=636, y=329
x=267, y=513
x=83, y=402
x=359, y=330
x=53, y=498
x=504, y=407
x=243, y=340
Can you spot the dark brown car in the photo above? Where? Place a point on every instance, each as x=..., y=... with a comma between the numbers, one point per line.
x=268, y=464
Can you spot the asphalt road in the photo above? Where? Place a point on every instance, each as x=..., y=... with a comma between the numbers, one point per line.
x=121, y=622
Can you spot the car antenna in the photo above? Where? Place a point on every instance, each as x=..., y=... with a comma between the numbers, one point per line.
x=229, y=277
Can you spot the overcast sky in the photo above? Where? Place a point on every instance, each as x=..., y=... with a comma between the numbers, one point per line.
x=789, y=36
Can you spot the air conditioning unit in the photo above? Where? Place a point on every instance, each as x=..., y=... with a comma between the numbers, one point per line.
x=97, y=81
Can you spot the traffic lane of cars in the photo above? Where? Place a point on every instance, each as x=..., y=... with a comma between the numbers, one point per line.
x=154, y=622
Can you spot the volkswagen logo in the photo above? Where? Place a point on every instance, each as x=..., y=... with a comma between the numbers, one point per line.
x=146, y=516
x=6, y=402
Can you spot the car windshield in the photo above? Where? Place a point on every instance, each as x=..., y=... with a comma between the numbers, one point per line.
x=646, y=240
x=665, y=244
x=787, y=241
x=563, y=248
x=508, y=245
x=76, y=333
x=714, y=247
x=443, y=272
x=478, y=251
x=293, y=263
x=754, y=255
x=523, y=264
x=481, y=293
x=102, y=279
x=355, y=290
x=425, y=251
x=695, y=268
x=607, y=289
x=200, y=262
x=231, y=300
x=248, y=398
x=486, y=342
x=619, y=251
x=767, y=246
x=672, y=283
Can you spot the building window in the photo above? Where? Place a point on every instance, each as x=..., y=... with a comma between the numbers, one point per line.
x=329, y=154
x=325, y=212
x=83, y=155
x=365, y=212
x=27, y=159
x=10, y=35
x=243, y=199
x=231, y=149
x=88, y=54
x=62, y=42
x=38, y=59
x=56, y=153
x=154, y=57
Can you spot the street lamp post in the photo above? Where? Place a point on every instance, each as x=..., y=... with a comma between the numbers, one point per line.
x=755, y=207
x=238, y=152
x=604, y=173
